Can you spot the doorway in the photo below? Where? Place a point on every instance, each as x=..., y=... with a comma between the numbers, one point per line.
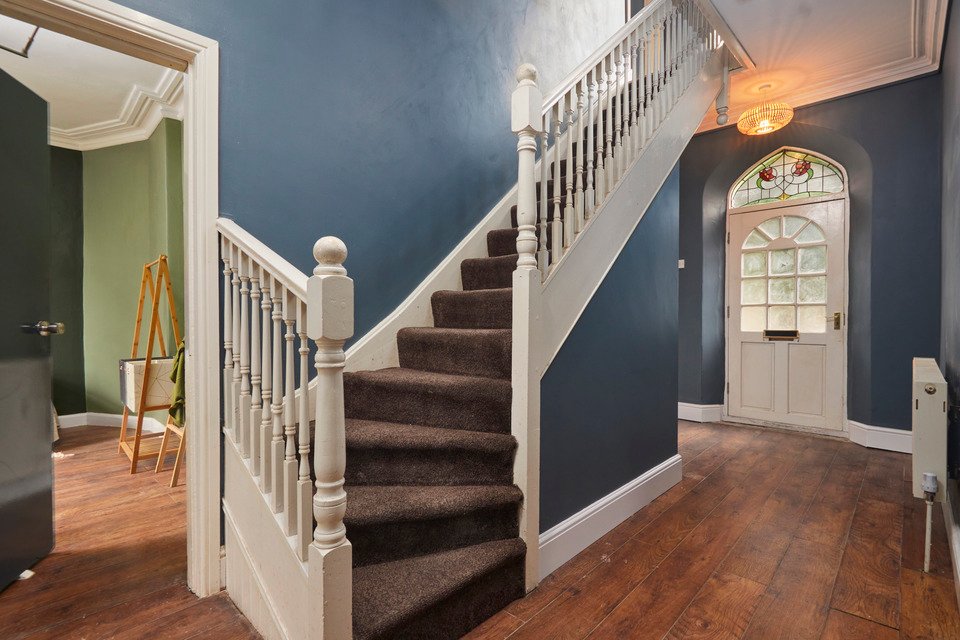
x=786, y=290
x=124, y=30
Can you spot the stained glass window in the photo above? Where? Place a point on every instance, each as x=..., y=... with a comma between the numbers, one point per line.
x=786, y=175
x=784, y=286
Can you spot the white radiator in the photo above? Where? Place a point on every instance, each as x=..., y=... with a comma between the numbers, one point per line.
x=929, y=425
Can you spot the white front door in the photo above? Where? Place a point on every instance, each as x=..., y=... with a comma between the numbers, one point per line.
x=786, y=287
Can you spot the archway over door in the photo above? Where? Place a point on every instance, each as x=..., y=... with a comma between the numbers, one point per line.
x=786, y=293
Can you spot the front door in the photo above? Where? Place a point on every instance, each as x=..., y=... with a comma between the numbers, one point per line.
x=26, y=470
x=786, y=281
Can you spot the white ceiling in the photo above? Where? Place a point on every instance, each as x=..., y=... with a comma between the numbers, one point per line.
x=97, y=96
x=814, y=50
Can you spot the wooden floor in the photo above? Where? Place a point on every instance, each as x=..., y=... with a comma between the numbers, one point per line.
x=769, y=535
x=118, y=569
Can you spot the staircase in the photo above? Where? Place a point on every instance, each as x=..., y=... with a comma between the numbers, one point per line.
x=432, y=510
x=402, y=502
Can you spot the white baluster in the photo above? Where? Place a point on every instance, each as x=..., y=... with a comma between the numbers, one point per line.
x=329, y=324
x=600, y=178
x=227, y=338
x=276, y=404
x=289, y=420
x=265, y=429
x=581, y=104
x=235, y=384
x=610, y=169
x=636, y=129
x=648, y=86
x=543, y=256
x=589, y=195
x=245, y=399
x=304, y=490
x=256, y=395
x=569, y=223
x=525, y=105
x=556, y=226
x=621, y=123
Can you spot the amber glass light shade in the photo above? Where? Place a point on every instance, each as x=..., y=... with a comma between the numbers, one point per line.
x=766, y=117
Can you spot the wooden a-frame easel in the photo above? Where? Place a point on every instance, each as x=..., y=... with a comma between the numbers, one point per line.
x=138, y=447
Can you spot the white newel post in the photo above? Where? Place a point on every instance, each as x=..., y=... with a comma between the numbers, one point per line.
x=526, y=106
x=329, y=324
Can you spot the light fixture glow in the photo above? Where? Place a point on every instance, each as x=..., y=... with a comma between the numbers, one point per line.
x=765, y=117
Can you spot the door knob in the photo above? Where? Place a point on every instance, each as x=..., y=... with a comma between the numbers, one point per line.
x=44, y=328
x=837, y=320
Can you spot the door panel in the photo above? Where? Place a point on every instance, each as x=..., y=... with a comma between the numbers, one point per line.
x=26, y=470
x=786, y=270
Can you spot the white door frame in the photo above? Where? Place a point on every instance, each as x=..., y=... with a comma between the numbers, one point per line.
x=122, y=29
x=727, y=292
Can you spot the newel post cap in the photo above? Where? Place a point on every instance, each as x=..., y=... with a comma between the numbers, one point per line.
x=329, y=293
x=526, y=102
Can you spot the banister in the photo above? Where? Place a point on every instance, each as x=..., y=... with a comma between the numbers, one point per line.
x=294, y=280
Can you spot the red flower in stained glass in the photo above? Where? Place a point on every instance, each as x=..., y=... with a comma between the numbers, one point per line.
x=768, y=174
x=801, y=167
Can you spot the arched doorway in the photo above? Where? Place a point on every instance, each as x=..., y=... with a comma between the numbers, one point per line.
x=786, y=293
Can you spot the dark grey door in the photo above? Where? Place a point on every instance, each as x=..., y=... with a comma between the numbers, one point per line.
x=26, y=470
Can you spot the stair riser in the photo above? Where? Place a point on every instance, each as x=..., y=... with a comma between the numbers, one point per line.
x=467, y=608
x=484, y=410
x=385, y=542
x=464, y=312
x=428, y=467
x=485, y=356
x=488, y=273
x=503, y=242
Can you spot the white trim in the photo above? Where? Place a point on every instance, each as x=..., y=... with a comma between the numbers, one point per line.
x=92, y=419
x=953, y=530
x=122, y=29
x=699, y=412
x=880, y=437
x=565, y=540
x=139, y=117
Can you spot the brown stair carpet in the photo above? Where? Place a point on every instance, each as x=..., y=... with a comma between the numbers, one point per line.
x=432, y=512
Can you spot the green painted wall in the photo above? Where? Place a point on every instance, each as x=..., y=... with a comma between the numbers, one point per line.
x=132, y=212
x=66, y=279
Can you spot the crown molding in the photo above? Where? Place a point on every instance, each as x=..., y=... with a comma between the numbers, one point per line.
x=929, y=27
x=142, y=111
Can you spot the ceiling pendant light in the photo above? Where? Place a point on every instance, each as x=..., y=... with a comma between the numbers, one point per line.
x=765, y=117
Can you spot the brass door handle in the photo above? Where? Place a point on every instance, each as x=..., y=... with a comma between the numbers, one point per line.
x=837, y=320
x=44, y=328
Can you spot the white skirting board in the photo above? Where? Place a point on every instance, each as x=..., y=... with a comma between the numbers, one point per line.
x=565, y=540
x=150, y=425
x=699, y=412
x=900, y=440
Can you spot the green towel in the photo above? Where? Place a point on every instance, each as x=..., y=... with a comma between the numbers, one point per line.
x=178, y=398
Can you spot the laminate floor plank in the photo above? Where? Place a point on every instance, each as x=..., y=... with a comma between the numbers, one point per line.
x=929, y=609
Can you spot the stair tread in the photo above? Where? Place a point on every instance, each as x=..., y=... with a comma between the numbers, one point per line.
x=395, y=435
x=374, y=504
x=479, y=308
x=390, y=594
x=488, y=273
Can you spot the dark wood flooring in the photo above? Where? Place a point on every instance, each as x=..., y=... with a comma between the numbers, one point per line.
x=118, y=569
x=769, y=535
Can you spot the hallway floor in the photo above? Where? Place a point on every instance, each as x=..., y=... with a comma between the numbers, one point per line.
x=769, y=535
x=118, y=569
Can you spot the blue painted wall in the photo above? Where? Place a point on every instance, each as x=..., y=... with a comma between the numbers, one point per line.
x=608, y=408
x=950, y=238
x=385, y=123
x=892, y=156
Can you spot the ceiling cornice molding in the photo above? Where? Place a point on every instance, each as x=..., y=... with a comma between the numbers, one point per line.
x=142, y=111
x=929, y=29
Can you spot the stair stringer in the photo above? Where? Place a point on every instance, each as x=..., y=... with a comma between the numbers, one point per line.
x=572, y=283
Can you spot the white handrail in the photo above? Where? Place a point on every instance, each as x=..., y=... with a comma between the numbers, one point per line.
x=294, y=280
x=594, y=59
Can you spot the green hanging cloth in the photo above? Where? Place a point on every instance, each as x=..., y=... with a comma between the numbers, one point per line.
x=178, y=398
